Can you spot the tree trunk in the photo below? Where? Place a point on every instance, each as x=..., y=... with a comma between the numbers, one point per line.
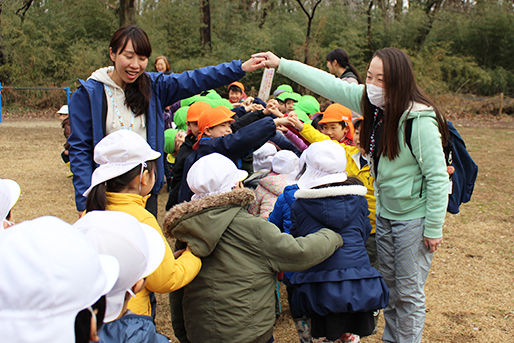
x=368, y=13
x=205, y=28
x=2, y=56
x=127, y=13
x=310, y=16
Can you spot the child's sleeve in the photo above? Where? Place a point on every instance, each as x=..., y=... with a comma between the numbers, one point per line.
x=173, y=273
x=277, y=215
x=295, y=140
x=246, y=139
x=288, y=254
x=312, y=135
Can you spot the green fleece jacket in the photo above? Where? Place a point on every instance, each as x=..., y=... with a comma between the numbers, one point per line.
x=406, y=187
x=232, y=299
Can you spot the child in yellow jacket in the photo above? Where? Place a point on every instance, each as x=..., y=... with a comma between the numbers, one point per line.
x=122, y=182
x=354, y=165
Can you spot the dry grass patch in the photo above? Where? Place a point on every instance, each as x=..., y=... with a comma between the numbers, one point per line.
x=469, y=289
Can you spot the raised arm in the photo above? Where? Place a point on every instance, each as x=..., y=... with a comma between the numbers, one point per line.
x=316, y=80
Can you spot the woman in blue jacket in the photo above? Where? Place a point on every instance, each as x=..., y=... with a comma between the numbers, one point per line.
x=124, y=96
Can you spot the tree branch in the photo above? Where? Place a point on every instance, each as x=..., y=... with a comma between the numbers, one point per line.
x=24, y=9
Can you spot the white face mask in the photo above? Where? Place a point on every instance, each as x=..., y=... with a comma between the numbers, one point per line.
x=375, y=95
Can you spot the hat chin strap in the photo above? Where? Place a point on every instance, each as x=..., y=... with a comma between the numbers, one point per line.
x=143, y=166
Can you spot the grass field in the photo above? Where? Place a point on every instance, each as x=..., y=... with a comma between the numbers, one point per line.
x=470, y=295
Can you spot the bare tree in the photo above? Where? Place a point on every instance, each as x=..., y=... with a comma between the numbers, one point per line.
x=2, y=55
x=368, y=14
x=205, y=28
x=127, y=13
x=310, y=16
x=23, y=9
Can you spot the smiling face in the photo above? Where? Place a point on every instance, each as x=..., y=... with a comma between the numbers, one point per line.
x=160, y=66
x=128, y=65
x=235, y=95
x=220, y=130
x=335, y=131
x=289, y=105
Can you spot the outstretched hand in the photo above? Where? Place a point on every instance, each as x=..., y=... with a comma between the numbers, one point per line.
x=270, y=59
x=253, y=64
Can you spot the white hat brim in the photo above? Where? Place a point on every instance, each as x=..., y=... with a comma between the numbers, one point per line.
x=156, y=247
x=312, y=178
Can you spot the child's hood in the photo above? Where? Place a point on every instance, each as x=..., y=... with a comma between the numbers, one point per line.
x=274, y=183
x=201, y=223
x=101, y=75
x=332, y=207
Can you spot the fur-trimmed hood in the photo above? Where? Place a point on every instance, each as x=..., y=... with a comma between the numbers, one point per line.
x=200, y=223
x=332, y=207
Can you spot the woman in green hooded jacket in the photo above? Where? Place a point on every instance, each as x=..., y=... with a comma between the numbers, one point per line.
x=411, y=188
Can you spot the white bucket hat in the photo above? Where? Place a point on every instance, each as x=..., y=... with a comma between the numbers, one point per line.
x=262, y=157
x=138, y=247
x=49, y=273
x=63, y=109
x=285, y=162
x=212, y=174
x=326, y=164
x=117, y=153
x=9, y=194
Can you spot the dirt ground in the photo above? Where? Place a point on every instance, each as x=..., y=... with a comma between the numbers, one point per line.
x=470, y=286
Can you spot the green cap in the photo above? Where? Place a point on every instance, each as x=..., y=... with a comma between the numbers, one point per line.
x=289, y=95
x=179, y=118
x=283, y=88
x=189, y=101
x=308, y=104
x=212, y=94
x=302, y=116
x=169, y=140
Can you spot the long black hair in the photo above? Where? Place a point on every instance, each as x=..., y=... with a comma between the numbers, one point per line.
x=97, y=199
x=343, y=60
x=401, y=91
x=138, y=93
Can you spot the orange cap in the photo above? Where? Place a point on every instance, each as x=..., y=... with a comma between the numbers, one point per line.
x=212, y=117
x=337, y=113
x=194, y=111
x=237, y=84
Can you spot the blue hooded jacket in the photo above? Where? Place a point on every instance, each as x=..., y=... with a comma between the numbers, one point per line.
x=131, y=328
x=88, y=113
x=345, y=282
x=281, y=214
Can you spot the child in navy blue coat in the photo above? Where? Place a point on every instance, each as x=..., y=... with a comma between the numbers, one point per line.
x=340, y=294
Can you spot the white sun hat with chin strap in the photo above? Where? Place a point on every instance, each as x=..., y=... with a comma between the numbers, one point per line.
x=9, y=194
x=138, y=247
x=49, y=272
x=213, y=174
x=118, y=153
x=325, y=164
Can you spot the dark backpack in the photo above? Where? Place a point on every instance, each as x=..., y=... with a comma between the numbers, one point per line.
x=464, y=168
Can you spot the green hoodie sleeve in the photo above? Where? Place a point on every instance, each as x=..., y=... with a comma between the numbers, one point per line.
x=288, y=254
x=323, y=83
x=428, y=150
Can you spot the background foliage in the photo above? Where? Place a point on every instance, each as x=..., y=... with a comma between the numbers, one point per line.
x=456, y=45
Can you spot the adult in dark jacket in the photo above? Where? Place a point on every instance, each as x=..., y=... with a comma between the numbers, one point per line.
x=127, y=97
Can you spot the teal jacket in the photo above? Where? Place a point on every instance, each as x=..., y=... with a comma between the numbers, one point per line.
x=406, y=188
